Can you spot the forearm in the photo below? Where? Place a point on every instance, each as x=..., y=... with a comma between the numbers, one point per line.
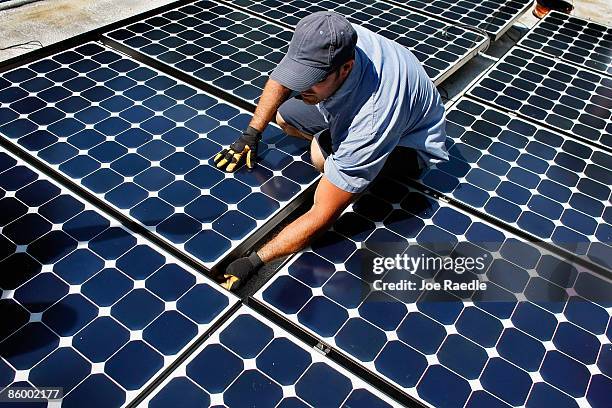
x=273, y=95
x=293, y=237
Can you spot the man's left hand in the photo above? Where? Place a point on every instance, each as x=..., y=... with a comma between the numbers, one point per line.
x=239, y=270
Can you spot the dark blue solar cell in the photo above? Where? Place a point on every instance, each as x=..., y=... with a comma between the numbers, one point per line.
x=230, y=191
x=456, y=389
x=523, y=177
x=86, y=225
x=503, y=209
x=108, y=151
x=283, y=361
x=152, y=211
x=17, y=177
x=102, y=180
x=208, y=245
x=108, y=394
x=382, y=310
x=28, y=105
x=112, y=243
x=462, y=356
x=576, y=343
x=179, y=163
x=179, y=193
x=130, y=165
x=63, y=368
x=66, y=127
x=308, y=387
x=578, y=221
x=311, y=269
x=322, y=316
x=570, y=240
x=178, y=228
x=534, y=320
x=252, y=388
x=482, y=399
x=421, y=332
x=180, y=136
x=204, y=176
x=154, y=178
x=126, y=195
x=565, y=373
x=180, y=113
x=180, y=392
x=137, y=309
x=117, y=103
x=403, y=223
x=401, y=364
x=224, y=135
x=19, y=267
x=521, y=349
x=170, y=282
x=543, y=395
x=586, y=314
x=10, y=210
x=437, y=240
x=228, y=367
x=275, y=159
x=101, y=339
x=234, y=225
x=140, y=262
x=360, y=339
x=246, y=347
x=170, y=332
x=134, y=365
x=37, y=140
x=287, y=294
x=139, y=93
x=513, y=192
x=91, y=115
x=548, y=208
x=203, y=149
x=452, y=220
x=27, y=229
x=79, y=166
x=107, y=287
x=506, y=381
x=133, y=138
x=346, y=289
x=18, y=128
x=280, y=188
x=29, y=345
x=599, y=391
x=86, y=139
x=81, y=312
x=202, y=124
x=61, y=209
x=202, y=303
x=440, y=181
x=300, y=172
x=35, y=194
x=258, y=206
x=334, y=247
x=479, y=326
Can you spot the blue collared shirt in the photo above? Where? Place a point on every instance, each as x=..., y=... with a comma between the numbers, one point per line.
x=387, y=100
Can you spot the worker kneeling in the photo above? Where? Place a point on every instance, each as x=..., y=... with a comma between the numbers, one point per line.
x=363, y=101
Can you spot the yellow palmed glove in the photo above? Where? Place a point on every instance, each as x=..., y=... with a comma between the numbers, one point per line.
x=245, y=148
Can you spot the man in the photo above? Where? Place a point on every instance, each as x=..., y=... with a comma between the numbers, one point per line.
x=360, y=96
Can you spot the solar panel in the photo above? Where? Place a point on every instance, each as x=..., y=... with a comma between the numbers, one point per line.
x=441, y=47
x=563, y=96
x=535, y=337
x=572, y=39
x=536, y=180
x=143, y=142
x=87, y=305
x=258, y=364
x=492, y=16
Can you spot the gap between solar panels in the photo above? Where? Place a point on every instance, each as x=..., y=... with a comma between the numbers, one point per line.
x=89, y=299
x=470, y=340
x=129, y=137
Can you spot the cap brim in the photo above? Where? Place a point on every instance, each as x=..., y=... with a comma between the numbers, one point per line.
x=295, y=76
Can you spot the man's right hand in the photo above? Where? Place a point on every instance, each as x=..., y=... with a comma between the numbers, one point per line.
x=243, y=148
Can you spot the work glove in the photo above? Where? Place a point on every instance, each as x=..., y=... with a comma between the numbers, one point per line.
x=238, y=271
x=243, y=148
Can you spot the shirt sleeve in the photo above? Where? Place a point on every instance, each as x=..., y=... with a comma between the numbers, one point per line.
x=358, y=159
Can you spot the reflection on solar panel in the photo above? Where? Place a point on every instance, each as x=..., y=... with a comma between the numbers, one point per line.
x=257, y=364
x=561, y=95
x=573, y=39
x=215, y=43
x=536, y=336
x=142, y=142
x=442, y=48
x=536, y=180
x=492, y=16
x=86, y=304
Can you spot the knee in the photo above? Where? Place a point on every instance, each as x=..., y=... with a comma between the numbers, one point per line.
x=281, y=122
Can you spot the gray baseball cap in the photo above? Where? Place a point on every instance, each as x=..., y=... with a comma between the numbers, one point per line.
x=321, y=42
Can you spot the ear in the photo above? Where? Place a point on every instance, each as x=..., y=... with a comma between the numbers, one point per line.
x=347, y=67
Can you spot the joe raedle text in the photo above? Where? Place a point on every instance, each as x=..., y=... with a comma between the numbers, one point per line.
x=447, y=285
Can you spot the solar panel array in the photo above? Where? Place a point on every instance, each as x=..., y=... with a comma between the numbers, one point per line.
x=143, y=142
x=257, y=364
x=536, y=180
x=560, y=95
x=573, y=39
x=87, y=305
x=539, y=335
x=492, y=16
x=215, y=43
x=440, y=47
